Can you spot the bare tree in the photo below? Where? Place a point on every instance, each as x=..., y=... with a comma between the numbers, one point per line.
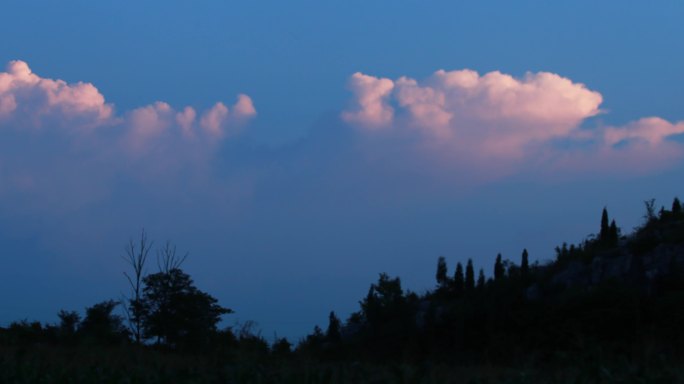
x=650, y=211
x=136, y=256
x=167, y=260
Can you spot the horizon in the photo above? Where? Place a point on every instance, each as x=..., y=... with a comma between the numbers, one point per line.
x=298, y=150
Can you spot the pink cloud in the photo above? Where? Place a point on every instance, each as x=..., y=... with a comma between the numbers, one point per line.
x=62, y=142
x=148, y=123
x=650, y=130
x=33, y=101
x=244, y=108
x=497, y=112
x=185, y=119
x=501, y=124
x=214, y=119
x=28, y=101
x=372, y=109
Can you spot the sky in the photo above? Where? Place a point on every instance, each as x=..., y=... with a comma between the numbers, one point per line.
x=298, y=149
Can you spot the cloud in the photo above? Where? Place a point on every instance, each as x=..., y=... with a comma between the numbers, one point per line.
x=497, y=112
x=27, y=100
x=214, y=119
x=148, y=123
x=185, y=120
x=62, y=145
x=652, y=131
x=244, y=108
x=501, y=124
x=372, y=109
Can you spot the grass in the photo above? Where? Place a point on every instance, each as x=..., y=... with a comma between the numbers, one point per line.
x=46, y=365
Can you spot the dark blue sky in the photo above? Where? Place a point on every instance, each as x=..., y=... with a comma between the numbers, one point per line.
x=347, y=154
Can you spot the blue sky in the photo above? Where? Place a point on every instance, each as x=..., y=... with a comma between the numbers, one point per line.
x=293, y=197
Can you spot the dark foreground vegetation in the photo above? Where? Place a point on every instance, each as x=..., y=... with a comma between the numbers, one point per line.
x=609, y=309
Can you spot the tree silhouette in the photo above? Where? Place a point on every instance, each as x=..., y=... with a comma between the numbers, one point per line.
x=499, y=269
x=176, y=313
x=69, y=322
x=459, y=279
x=481, y=279
x=136, y=256
x=281, y=347
x=676, y=207
x=334, y=327
x=100, y=326
x=604, y=224
x=168, y=260
x=441, y=274
x=524, y=264
x=613, y=233
x=469, y=276
x=650, y=214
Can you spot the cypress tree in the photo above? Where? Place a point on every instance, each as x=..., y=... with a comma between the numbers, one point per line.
x=333, y=333
x=499, y=271
x=469, y=276
x=481, y=280
x=613, y=233
x=441, y=274
x=603, y=235
x=459, y=279
x=524, y=263
x=676, y=207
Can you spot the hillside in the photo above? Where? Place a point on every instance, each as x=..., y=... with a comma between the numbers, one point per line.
x=607, y=309
x=611, y=295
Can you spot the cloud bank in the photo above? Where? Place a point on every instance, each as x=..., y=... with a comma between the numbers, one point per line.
x=494, y=119
x=63, y=145
x=28, y=101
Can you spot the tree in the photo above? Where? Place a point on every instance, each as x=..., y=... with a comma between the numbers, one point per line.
x=69, y=322
x=524, y=264
x=386, y=304
x=281, y=347
x=100, y=326
x=603, y=235
x=481, y=280
x=176, y=313
x=167, y=259
x=333, y=333
x=136, y=256
x=650, y=215
x=676, y=207
x=499, y=269
x=459, y=279
x=613, y=233
x=441, y=274
x=469, y=276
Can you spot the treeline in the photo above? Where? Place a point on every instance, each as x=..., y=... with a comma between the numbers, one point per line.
x=612, y=294
x=164, y=310
x=609, y=293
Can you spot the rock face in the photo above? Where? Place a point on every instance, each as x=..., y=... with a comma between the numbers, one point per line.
x=642, y=259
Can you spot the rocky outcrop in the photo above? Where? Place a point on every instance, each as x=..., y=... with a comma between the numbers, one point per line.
x=621, y=264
